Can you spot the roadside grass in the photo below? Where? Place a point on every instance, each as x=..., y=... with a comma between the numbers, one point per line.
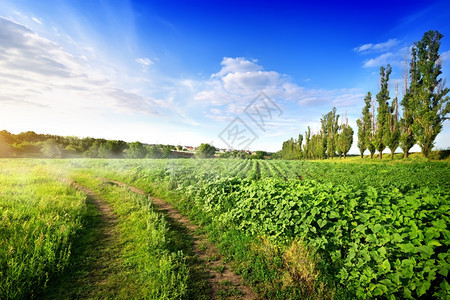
x=175, y=243
x=146, y=262
x=39, y=218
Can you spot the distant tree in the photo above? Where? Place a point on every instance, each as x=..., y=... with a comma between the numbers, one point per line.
x=258, y=155
x=382, y=110
x=86, y=143
x=428, y=92
x=345, y=138
x=153, y=152
x=205, y=151
x=292, y=149
x=71, y=151
x=365, y=127
x=92, y=151
x=6, y=140
x=392, y=131
x=330, y=128
x=135, y=150
x=391, y=136
x=166, y=151
x=179, y=147
x=307, y=146
x=407, y=139
x=116, y=148
x=299, y=150
x=318, y=145
x=52, y=149
x=371, y=134
x=104, y=151
x=29, y=136
x=27, y=149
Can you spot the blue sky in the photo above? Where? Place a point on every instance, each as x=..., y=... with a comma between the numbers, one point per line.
x=180, y=72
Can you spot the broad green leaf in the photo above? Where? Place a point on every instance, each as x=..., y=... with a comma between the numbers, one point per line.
x=408, y=248
x=425, y=251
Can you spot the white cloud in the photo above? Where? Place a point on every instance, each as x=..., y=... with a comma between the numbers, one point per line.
x=380, y=47
x=144, y=61
x=379, y=60
x=39, y=21
x=238, y=65
x=445, y=56
x=36, y=72
x=240, y=80
x=394, y=58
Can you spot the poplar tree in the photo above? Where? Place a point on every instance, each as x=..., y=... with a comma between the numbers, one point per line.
x=382, y=110
x=299, y=146
x=345, y=138
x=371, y=135
x=307, y=146
x=330, y=128
x=407, y=139
x=392, y=127
x=364, y=126
x=428, y=92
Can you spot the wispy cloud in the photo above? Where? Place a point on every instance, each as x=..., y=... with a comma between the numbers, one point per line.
x=37, y=71
x=39, y=21
x=382, y=59
x=145, y=63
x=445, y=56
x=396, y=57
x=380, y=47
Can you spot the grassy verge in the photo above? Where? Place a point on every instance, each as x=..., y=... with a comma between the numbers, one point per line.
x=39, y=217
x=144, y=261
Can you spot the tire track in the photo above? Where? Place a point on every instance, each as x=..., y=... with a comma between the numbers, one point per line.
x=220, y=273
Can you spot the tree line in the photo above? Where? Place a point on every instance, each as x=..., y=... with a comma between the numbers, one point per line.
x=31, y=144
x=384, y=123
x=333, y=139
x=424, y=105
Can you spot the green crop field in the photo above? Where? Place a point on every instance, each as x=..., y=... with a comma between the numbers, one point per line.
x=291, y=229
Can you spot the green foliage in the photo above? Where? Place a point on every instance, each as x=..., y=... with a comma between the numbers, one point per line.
x=428, y=93
x=50, y=148
x=382, y=110
x=149, y=266
x=205, y=151
x=39, y=217
x=381, y=230
x=6, y=140
x=365, y=126
x=330, y=129
x=292, y=149
x=136, y=150
x=391, y=136
x=344, y=139
x=407, y=139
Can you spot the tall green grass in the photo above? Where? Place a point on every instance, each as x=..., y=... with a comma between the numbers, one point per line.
x=149, y=266
x=39, y=215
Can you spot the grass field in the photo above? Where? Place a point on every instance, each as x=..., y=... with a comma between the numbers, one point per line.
x=290, y=229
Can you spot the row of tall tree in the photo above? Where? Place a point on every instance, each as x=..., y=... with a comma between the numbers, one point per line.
x=331, y=140
x=424, y=105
